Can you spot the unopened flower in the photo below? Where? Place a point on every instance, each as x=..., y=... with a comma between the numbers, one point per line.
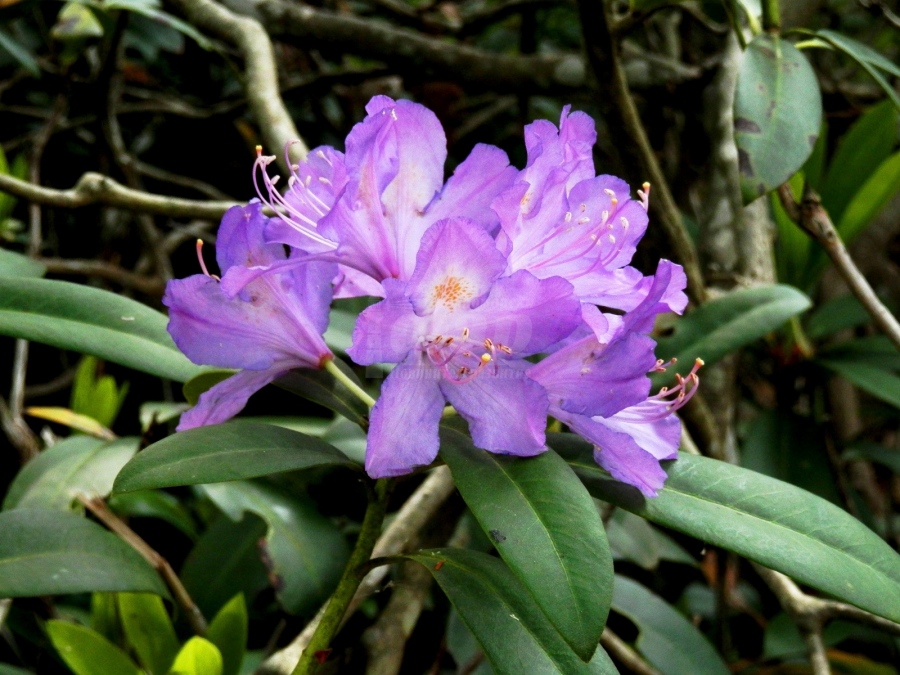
x=460, y=332
x=274, y=324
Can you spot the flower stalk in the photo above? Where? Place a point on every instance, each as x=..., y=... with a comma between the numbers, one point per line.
x=354, y=388
x=354, y=572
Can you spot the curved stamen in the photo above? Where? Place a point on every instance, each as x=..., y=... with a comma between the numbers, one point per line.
x=203, y=262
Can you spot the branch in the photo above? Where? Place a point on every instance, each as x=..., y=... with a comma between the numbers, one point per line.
x=94, y=188
x=815, y=221
x=625, y=654
x=99, y=508
x=622, y=116
x=418, y=510
x=147, y=285
x=261, y=76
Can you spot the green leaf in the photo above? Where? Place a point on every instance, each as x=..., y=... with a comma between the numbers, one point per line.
x=862, y=149
x=14, y=264
x=305, y=552
x=339, y=335
x=763, y=519
x=91, y=321
x=6, y=669
x=871, y=198
x=94, y=395
x=223, y=452
x=154, y=504
x=726, y=324
x=873, y=379
x=667, y=639
x=203, y=382
x=777, y=114
x=20, y=53
x=87, y=652
x=75, y=21
x=225, y=561
x=151, y=11
x=547, y=529
x=228, y=632
x=320, y=387
x=148, y=630
x=836, y=315
x=79, y=464
x=513, y=631
x=198, y=657
x=873, y=452
x=50, y=553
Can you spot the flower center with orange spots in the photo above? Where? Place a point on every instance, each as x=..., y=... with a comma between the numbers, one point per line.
x=451, y=293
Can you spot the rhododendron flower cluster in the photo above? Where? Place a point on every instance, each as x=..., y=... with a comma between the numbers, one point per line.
x=505, y=293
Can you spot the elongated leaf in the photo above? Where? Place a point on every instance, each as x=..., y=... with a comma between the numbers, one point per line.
x=728, y=323
x=547, y=529
x=835, y=315
x=305, y=551
x=859, y=51
x=91, y=321
x=225, y=561
x=155, y=504
x=873, y=379
x=87, y=652
x=199, y=384
x=76, y=465
x=230, y=451
x=198, y=657
x=873, y=452
x=46, y=552
x=871, y=198
x=20, y=53
x=14, y=264
x=667, y=639
x=148, y=630
x=320, y=387
x=512, y=630
x=777, y=114
x=862, y=149
x=73, y=420
x=228, y=632
x=763, y=519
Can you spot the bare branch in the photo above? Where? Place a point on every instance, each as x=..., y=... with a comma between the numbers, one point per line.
x=102, y=270
x=103, y=513
x=625, y=654
x=94, y=188
x=418, y=510
x=813, y=219
x=261, y=76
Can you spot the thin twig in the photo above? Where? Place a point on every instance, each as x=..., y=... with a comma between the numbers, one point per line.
x=94, y=188
x=813, y=219
x=625, y=654
x=418, y=510
x=261, y=76
x=99, y=508
x=99, y=269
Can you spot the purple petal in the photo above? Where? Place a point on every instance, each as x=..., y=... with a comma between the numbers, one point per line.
x=665, y=294
x=483, y=175
x=227, y=398
x=240, y=241
x=455, y=267
x=387, y=331
x=589, y=378
x=506, y=410
x=525, y=313
x=403, y=431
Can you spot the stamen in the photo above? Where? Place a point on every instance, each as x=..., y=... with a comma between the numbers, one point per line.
x=645, y=195
x=202, y=262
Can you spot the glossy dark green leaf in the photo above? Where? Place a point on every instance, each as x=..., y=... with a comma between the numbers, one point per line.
x=77, y=465
x=87, y=652
x=305, y=552
x=836, y=315
x=46, y=552
x=777, y=114
x=546, y=527
x=763, y=519
x=726, y=324
x=14, y=264
x=91, y=321
x=320, y=387
x=872, y=350
x=872, y=379
x=228, y=632
x=514, y=633
x=667, y=639
x=870, y=60
x=861, y=150
x=633, y=538
x=154, y=504
x=148, y=630
x=199, y=656
x=203, y=382
x=226, y=561
x=231, y=451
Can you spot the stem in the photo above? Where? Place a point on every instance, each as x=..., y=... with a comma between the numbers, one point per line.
x=771, y=16
x=341, y=377
x=353, y=575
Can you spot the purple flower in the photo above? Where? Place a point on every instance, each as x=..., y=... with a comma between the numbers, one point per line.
x=460, y=332
x=599, y=388
x=274, y=324
x=558, y=219
x=372, y=205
